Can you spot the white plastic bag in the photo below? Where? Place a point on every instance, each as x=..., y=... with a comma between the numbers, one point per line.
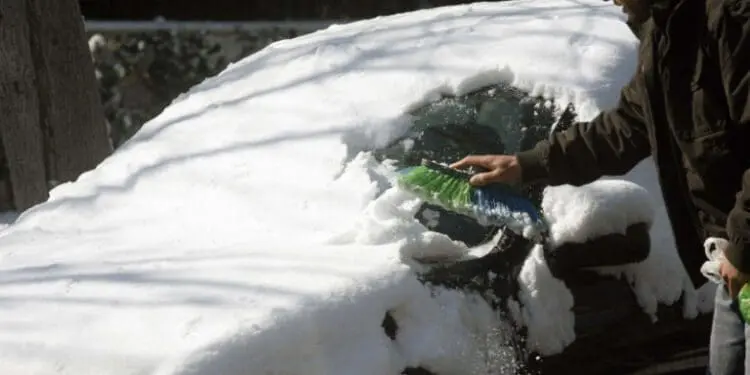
x=714, y=248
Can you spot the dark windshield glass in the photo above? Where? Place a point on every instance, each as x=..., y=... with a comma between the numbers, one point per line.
x=493, y=120
x=496, y=119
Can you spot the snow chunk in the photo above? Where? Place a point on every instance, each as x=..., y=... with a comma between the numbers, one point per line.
x=546, y=306
x=610, y=205
x=455, y=333
x=443, y=330
x=389, y=219
x=661, y=278
x=578, y=214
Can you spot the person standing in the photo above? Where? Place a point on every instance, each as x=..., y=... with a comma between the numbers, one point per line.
x=688, y=106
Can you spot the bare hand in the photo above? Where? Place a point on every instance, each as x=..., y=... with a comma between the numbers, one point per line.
x=733, y=278
x=500, y=169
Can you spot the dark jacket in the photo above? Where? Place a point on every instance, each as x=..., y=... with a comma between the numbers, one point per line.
x=688, y=106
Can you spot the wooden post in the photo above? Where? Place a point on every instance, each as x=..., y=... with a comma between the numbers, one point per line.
x=72, y=116
x=19, y=108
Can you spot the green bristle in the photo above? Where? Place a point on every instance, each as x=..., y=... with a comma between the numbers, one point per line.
x=440, y=185
x=464, y=194
x=426, y=182
x=454, y=193
x=429, y=175
x=418, y=176
x=433, y=179
x=444, y=184
x=444, y=191
x=418, y=180
x=415, y=178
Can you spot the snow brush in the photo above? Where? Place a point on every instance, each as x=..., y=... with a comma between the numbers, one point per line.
x=495, y=204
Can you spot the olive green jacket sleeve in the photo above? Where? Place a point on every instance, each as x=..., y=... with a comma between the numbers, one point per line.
x=738, y=229
x=611, y=144
x=733, y=38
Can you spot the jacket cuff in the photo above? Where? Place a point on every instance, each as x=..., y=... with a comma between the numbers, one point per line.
x=737, y=255
x=533, y=164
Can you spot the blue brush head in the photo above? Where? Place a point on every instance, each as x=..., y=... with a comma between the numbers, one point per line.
x=496, y=204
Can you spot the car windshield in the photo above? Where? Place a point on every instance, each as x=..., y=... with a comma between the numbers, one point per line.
x=492, y=120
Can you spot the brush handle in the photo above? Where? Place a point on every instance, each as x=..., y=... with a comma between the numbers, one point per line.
x=446, y=170
x=462, y=174
x=466, y=175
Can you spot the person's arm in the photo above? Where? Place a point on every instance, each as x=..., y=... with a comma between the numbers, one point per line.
x=733, y=38
x=738, y=229
x=611, y=144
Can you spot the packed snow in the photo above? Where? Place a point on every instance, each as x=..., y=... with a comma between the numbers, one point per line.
x=661, y=278
x=546, y=306
x=246, y=230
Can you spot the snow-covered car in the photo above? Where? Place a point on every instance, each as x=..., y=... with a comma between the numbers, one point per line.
x=254, y=227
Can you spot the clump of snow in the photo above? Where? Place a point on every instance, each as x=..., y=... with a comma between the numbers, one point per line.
x=453, y=332
x=660, y=278
x=517, y=221
x=579, y=214
x=443, y=330
x=610, y=205
x=391, y=218
x=546, y=306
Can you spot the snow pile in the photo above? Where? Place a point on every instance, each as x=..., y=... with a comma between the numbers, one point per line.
x=660, y=278
x=576, y=215
x=244, y=230
x=546, y=306
x=470, y=338
x=390, y=218
x=468, y=331
x=610, y=205
x=580, y=214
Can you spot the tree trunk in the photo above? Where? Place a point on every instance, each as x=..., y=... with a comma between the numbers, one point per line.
x=19, y=109
x=72, y=116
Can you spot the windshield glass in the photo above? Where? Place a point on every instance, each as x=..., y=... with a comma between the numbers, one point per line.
x=493, y=120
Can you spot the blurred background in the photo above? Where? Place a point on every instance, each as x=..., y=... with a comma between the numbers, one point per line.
x=147, y=52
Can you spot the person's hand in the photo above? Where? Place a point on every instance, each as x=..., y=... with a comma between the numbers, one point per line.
x=733, y=278
x=500, y=169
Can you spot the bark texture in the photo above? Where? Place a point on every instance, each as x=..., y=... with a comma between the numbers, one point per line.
x=72, y=117
x=19, y=109
x=51, y=117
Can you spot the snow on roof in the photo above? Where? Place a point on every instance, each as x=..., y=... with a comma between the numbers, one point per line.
x=237, y=232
